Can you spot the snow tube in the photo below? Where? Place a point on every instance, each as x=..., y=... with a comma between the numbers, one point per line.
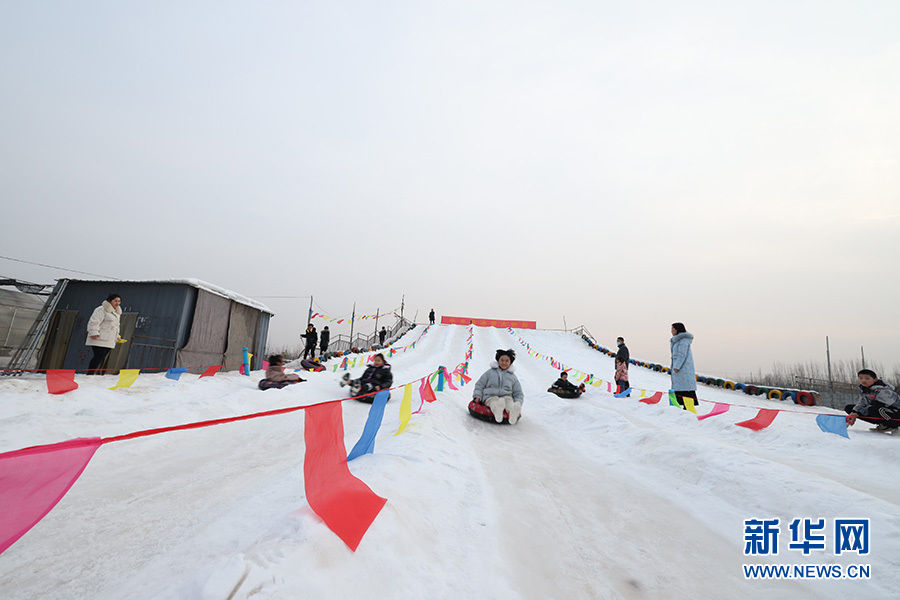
x=481, y=411
x=728, y=385
x=789, y=396
x=665, y=369
x=268, y=384
x=763, y=391
x=311, y=365
x=751, y=390
x=740, y=386
x=805, y=398
x=774, y=395
x=563, y=393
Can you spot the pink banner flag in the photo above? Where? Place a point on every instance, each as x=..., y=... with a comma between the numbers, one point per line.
x=346, y=504
x=654, y=399
x=265, y=365
x=33, y=480
x=763, y=419
x=428, y=392
x=60, y=381
x=211, y=371
x=718, y=409
x=449, y=379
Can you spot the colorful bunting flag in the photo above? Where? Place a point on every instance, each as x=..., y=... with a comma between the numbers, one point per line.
x=836, y=424
x=175, y=374
x=763, y=419
x=60, y=381
x=346, y=504
x=33, y=480
x=718, y=409
x=126, y=378
x=366, y=443
x=405, y=408
x=211, y=371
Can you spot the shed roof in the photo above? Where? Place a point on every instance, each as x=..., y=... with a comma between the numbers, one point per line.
x=197, y=283
x=16, y=299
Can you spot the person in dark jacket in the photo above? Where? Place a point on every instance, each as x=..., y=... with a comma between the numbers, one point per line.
x=381, y=335
x=311, y=338
x=564, y=388
x=878, y=403
x=376, y=377
x=431, y=316
x=622, y=358
x=323, y=340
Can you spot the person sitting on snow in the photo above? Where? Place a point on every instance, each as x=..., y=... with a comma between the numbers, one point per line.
x=564, y=388
x=376, y=377
x=878, y=403
x=499, y=388
x=275, y=375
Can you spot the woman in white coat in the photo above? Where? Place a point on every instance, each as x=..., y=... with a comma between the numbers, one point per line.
x=103, y=330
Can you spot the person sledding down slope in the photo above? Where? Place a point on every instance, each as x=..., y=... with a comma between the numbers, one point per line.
x=499, y=388
x=275, y=375
x=564, y=388
x=376, y=377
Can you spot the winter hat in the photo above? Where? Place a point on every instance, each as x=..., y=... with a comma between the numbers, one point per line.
x=868, y=372
x=510, y=353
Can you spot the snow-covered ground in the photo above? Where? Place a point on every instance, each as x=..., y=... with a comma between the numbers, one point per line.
x=590, y=498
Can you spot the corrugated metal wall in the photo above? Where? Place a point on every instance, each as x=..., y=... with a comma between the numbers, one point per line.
x=163, y=316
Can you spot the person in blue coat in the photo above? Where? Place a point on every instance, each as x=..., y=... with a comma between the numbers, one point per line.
x=684, y=380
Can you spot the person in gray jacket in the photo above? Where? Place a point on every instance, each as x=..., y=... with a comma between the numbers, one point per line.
x=878, y=403
x=684, y=380
x=499, y=388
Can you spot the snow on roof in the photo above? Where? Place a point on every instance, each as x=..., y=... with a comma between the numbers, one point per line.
x=203, y=285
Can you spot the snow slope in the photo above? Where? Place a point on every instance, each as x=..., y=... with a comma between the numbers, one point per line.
x=591, y=498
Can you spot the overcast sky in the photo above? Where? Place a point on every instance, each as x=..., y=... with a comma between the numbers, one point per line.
x=735, y=166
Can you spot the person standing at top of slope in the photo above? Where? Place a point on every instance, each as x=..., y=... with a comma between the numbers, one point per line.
x=622, y=358
x=311, y=338
x=878, y=403
x=103, y=330
x=431, y=316
x=324, y=339
x=381, y=335
x=499, y=389
x=684, y=380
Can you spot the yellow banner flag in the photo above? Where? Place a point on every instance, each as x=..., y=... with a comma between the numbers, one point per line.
x=689, y=404
x=126, y=378
x=405, y=408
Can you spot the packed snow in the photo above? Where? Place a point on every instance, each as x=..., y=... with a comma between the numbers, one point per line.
x=590, y=498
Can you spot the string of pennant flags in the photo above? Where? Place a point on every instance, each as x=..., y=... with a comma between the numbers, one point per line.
x=828, y=423
x=352, y=319
x=364, y=358
x=34, y=479
x=61, y=381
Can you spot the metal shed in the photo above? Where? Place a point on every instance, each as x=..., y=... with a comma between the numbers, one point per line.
x=18, y=311
x=167, y=323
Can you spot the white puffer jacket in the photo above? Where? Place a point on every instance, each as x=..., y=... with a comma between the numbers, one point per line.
x=104, y=322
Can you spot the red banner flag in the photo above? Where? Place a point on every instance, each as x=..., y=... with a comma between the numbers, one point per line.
x=426, y=391
x=346, y=504
x=33, y=480
x=211, y=371
x=654, y=399
x=60, y=381
x=763, y=419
